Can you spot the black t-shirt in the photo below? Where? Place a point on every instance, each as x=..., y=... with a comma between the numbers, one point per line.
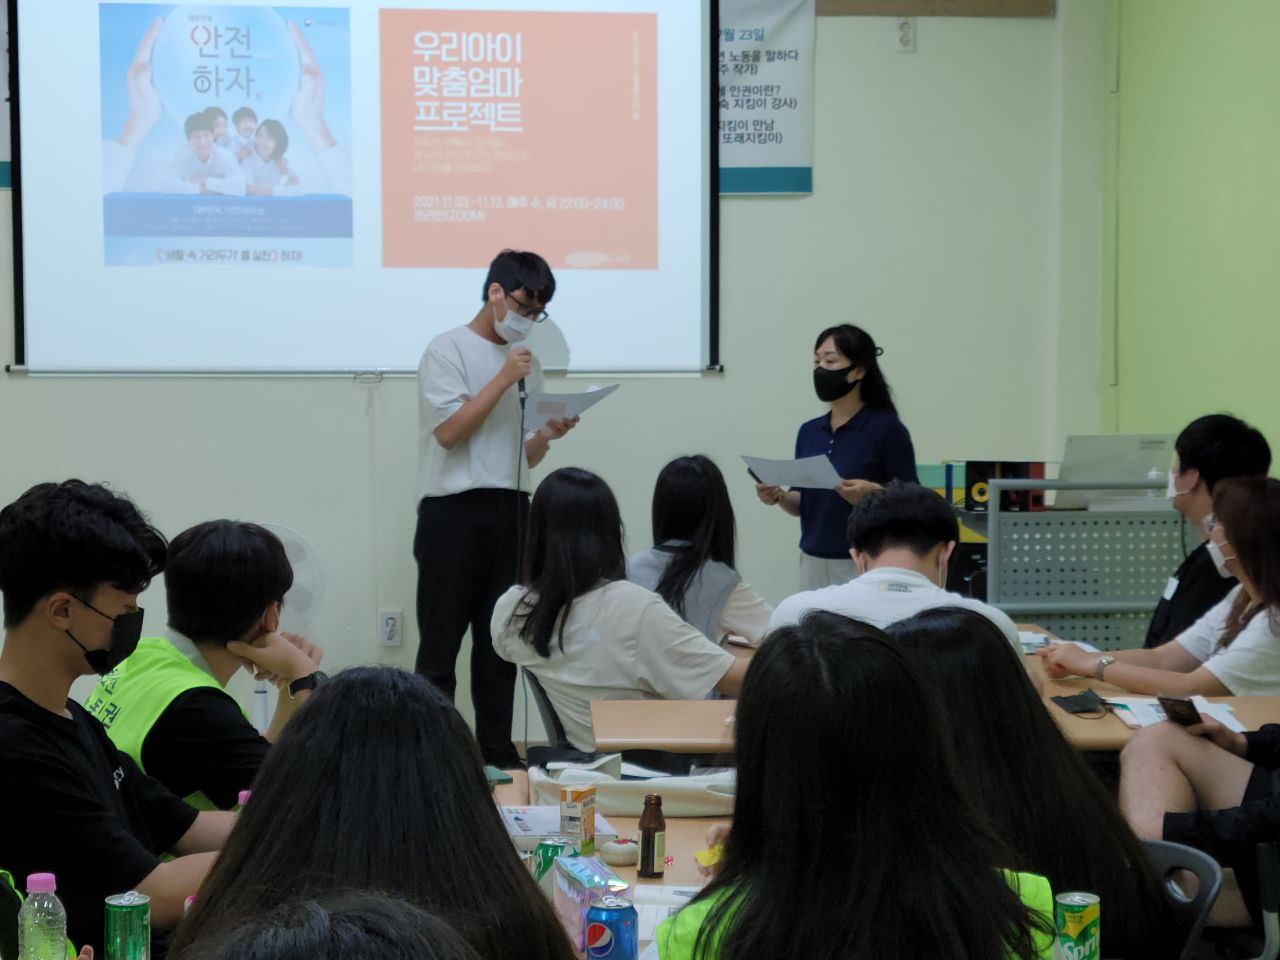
x=202, y=742
x=74, y=806
x=1200, y=587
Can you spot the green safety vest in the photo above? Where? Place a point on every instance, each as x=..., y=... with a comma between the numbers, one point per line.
x=130, y=699
x=6, y=879
x=677, y=934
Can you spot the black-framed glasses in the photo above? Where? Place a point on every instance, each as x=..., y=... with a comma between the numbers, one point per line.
x=528, y=311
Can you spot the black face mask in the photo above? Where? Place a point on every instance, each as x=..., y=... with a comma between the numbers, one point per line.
x=831, y=385
x=126, y=631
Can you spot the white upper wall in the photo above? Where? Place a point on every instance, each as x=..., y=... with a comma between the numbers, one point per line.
x=952, y=217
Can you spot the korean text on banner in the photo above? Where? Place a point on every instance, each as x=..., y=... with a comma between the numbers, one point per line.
x=766, y=96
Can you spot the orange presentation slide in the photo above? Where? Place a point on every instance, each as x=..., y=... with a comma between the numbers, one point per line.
x=518, y=129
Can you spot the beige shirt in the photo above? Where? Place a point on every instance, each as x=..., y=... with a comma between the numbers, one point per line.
x=745, y=614
x=621, y=642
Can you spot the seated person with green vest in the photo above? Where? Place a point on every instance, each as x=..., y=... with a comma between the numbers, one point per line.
x=73, y=559
x=166, y=706
x=855, y=833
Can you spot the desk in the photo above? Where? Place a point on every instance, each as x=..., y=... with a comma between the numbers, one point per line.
x=685, y=836
x=1109, y=734
x=677, y=726
x=698, y=726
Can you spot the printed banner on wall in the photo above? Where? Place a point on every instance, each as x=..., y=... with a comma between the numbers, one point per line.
x=766, y=96
x=6, y=168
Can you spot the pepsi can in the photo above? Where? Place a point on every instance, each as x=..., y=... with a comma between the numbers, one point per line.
x=613, y=929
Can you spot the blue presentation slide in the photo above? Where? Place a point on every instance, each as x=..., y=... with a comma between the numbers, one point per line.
x=226, y=135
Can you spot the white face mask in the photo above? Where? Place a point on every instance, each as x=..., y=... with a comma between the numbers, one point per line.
x=1219, y=560
x=1172, y=491
x=512, y=327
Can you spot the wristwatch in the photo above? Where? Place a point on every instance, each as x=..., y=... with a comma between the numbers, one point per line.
x=1103, y=663
x=309, y=682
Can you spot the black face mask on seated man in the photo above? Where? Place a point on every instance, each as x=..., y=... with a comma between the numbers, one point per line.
x=831, y=385
x=126, y=631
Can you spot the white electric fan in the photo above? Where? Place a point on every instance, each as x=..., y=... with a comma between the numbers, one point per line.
x=301, y=603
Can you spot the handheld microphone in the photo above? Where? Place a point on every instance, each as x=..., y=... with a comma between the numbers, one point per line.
x=522, y=392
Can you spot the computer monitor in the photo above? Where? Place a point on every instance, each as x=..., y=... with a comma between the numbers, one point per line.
x=1112, y=457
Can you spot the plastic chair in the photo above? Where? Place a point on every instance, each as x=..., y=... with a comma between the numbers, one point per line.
x=558, y=747
x=1189, y=912
x=560, y=750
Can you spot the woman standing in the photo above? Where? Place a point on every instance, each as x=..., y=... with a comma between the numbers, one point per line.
x=863, y=438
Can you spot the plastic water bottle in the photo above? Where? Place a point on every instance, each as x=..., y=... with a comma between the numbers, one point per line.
x=42, y=923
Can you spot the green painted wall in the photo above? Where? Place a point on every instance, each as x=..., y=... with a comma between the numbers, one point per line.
x=1196, y=194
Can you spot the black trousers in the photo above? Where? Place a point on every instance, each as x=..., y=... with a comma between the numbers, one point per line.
x=466, y=547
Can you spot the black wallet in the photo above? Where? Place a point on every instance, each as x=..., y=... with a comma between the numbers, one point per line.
x=1087, y=702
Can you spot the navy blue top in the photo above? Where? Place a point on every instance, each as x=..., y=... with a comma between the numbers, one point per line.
x=873, y=446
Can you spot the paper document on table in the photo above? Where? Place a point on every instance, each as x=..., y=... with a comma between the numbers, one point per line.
x=1138, y=712
x=540, y=408
x=813, y=472
x=537, y=822
x=655, y=904
x=1031, y=640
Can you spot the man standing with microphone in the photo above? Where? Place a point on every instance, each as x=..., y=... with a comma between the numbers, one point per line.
x=474, y=457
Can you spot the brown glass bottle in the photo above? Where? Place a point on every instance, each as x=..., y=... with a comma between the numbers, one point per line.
x=653, y=839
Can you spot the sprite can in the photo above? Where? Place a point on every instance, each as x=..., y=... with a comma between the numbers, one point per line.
x=128, y=927
x=1077, y=922
x=544, y=855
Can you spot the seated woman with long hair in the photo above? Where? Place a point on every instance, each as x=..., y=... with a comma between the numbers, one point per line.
x=691, y=562
x=853, y=835
x=1030, y=781
x=377, y=784
x=584, y=631
x=1234, y=649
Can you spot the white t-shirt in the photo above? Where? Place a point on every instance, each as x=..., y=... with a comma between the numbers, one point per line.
x=621, y=642
x=886, y=595
x=221, y=173
x=455, y=367
x=1251, y=665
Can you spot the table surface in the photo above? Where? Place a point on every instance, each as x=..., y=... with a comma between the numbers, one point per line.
x=685, y=836
x=705, y=726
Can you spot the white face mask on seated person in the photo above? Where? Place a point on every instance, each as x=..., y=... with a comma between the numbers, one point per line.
x=1219, y=558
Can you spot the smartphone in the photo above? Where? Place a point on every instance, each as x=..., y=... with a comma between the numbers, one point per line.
x=1180, y=710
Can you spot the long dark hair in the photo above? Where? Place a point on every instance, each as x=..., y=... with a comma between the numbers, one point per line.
x=856, y=344
x=575, y=543
x=1249, y=509
x=1038, y=794
x=691, y=503
x=377, y=784
x=847, y=800
x=340, y=926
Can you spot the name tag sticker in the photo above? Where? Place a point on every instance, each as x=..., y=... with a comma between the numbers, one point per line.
x=1170, y=588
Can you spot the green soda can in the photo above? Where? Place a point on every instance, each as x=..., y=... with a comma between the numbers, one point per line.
x=544, y=855
x=128, y=927
x=1077, y=922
